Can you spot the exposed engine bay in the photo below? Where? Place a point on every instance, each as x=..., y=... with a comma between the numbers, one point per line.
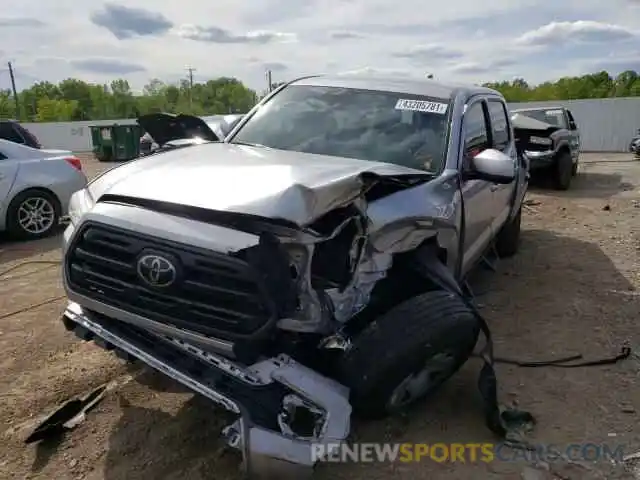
x=322, y=274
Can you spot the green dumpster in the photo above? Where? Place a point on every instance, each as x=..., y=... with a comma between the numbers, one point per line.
x=116, y=142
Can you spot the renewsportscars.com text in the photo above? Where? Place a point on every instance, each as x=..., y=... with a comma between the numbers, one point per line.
x=463, y=452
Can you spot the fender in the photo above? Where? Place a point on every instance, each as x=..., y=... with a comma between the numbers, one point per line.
x=562, y=144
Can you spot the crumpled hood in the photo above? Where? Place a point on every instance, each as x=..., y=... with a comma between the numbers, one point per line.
x=297, y=187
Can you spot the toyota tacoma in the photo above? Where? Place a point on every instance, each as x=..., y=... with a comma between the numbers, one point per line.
x=549, y=138
x=310, y=263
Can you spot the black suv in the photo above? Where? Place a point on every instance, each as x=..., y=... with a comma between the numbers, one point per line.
x=550, y=139
x=14, y=132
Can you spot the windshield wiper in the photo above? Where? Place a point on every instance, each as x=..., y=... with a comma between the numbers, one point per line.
x=249, y=144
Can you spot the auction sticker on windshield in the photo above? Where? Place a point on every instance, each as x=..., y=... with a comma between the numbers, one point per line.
x=421, y=106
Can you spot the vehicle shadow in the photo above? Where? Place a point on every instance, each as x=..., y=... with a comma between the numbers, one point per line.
x=152, y=444
x=559, y=296
x=584, y=185
x=11, y=251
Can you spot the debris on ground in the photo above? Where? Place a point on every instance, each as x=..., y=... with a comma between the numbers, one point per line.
x=67, y=416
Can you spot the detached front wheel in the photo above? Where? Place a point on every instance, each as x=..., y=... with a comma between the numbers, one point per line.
x=408, y=353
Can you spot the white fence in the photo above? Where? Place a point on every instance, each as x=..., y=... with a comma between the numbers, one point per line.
x=74, y=136
x=606, y=125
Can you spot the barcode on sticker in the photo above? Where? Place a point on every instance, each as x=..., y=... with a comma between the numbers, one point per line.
x=421, y=106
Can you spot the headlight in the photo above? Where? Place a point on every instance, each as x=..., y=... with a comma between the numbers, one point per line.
x=80, y=203
x=540, y=140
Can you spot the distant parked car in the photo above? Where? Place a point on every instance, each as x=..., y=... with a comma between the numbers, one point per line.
x=147, y=144
x=634, y=146
x=223, y=124
x=35, y=188
x=162, y=130
x=14, y=132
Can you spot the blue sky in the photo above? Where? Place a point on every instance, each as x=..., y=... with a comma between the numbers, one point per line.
x=463, y=40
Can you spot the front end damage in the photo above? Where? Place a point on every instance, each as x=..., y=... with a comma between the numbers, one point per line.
x=312, y=278
x=283, y=407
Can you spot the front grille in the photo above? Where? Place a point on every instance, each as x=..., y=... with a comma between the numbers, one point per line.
x=215, y=294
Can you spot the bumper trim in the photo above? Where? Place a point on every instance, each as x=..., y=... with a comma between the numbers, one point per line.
x=266, y=453
x=540, y=159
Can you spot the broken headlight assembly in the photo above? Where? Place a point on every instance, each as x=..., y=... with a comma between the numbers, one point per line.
x=322, y=267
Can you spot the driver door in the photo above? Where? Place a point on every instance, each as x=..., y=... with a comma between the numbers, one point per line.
x=477, y=195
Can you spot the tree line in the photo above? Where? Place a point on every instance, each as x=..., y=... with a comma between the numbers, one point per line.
x=594, y=85
x=74, y=99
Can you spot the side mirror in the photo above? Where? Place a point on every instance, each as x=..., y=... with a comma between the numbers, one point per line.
x=492, y=166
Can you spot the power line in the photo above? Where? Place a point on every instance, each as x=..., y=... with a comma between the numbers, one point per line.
x=15, y=91
x=190, y=70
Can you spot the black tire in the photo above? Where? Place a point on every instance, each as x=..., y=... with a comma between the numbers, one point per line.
x=400, y=343
x=562, y=171
x=508, y=240
x=16, y=229
x=574, y=169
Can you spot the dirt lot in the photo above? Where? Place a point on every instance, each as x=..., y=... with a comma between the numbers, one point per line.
x=573, y=289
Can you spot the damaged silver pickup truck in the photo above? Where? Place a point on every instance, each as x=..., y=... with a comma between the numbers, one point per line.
x=294, y=271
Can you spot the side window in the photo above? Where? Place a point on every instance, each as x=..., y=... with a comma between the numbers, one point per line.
x=7, y=132
x=476, y=137
x=500, y=134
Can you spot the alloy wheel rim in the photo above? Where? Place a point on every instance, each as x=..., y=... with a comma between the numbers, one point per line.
x=36, y=215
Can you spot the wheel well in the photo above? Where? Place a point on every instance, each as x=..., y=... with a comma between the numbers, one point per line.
x=563, y=149
x=401, y=283
x=33, y=189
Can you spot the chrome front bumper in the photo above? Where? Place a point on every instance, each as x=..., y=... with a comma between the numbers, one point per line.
x=540, y=159
x=267, y=453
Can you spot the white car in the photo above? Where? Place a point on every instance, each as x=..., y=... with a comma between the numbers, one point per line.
x=35, y=188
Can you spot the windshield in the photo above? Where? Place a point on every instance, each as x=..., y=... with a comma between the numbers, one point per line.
x=389, y=127
x=553, y=117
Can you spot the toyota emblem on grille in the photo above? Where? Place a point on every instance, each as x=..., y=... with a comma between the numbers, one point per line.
x=156, y=270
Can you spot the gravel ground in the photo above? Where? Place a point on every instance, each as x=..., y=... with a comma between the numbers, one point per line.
x=572, y=289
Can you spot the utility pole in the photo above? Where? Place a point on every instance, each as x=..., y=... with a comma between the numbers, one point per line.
x=191, y=70
x=15, y=92
x=269, y=82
